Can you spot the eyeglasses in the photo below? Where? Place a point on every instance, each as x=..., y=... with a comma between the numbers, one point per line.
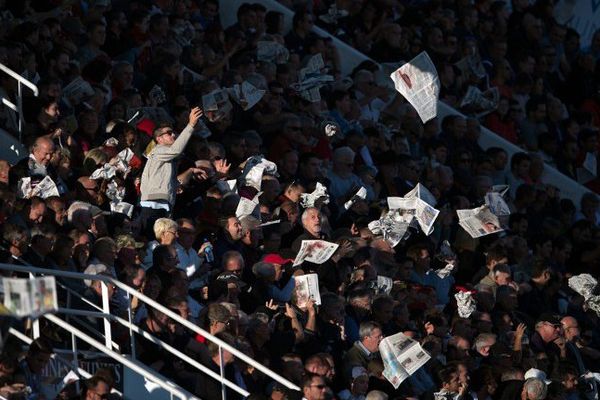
x=167, y=132
x=320, y=387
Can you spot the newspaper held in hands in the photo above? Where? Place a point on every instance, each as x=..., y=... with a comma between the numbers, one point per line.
x=77, y=90
x=105, y=172
x=254, y=177
x=466, y=304
x=315, y=251
x=271, y=51
x=44, y=188
x=311, y=78
x=216, y=105
x=320, y=194
x=361, y=194
x=586, y=285
x=393, y=225
x=307, y=288
x=481, y=103
x=418, y=82
x=423, y=212
x=402, y=357
x=479, y=221
x=30, y=297
x=246, y=95
x=447, y=255
x=247, y=206
x=421, y=192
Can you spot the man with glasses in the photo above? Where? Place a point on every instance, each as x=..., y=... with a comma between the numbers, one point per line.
x=314, y=387
x=159, y=178
x=96, y=388
x=364, y=350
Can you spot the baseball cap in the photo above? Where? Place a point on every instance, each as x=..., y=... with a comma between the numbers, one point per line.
x=537, y=374
x=274, y=258
x=263, y=269
x=551, y=318
x=230, y=277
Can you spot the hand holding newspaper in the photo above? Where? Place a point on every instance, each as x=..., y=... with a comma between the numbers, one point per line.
x=479, y=221
x=402, y=357
x=393, y=225
x=307, y=288
x=421, y=192
x=44, y=188
x=30, y=297
x=418, y=82
x=247, y=206
x=315, y=251
x=216, y=105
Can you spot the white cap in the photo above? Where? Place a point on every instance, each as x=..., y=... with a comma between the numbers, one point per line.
x=538, y=374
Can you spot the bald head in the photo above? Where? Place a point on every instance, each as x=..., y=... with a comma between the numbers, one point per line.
x=42, y=150
x=570, y=327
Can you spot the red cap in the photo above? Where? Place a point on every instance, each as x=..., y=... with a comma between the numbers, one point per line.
x=274, y=258
x=147, y=126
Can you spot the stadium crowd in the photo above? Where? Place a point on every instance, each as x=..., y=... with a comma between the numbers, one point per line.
x=181, y=243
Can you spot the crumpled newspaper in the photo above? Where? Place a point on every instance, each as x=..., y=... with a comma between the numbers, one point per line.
x=44, y=188
x=586, y=286
x=105, y=172
x=361, y=194
x=254, y=177
x=466, y=304
x=393, y=226
x=308, y=200
x=269, y=166
x=445, y=395
x=271, y=51
x=115, y=192
x=331, y=128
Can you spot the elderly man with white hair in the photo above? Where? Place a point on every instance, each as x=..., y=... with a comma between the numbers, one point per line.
x=343, y=182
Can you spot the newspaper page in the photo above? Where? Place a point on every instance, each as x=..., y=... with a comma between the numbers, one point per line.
x=421, y=192
x=418, y=82
x=273, y=52
x=393, y=225
x=30, y=297
x=315, y=251
x=216, y=105
x=77, y=90
x=254, y=177
x=269, y=166
x=44, y=188
x=402, y=357
x=480, y=102
x=479, y=221
x=246, y=95
x=307, y=288
x=423, y=212
x=310, y=79
x=361, y=194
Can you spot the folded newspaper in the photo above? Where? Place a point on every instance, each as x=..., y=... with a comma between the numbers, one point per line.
x=479, y=221
x=307, y=288
x=481, y=103
x=315, y=251
x=319, y=195
x=402, y=357
x=248, y=206
x=422, y=193
x=360, y=195
x=384, y=284
x=246, y=95
x=418, y=82
x=587, y=286
x=271, y=51
x=44, y=188
x=30, y=297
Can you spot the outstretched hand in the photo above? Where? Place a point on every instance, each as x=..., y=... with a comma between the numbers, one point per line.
x=195, y=115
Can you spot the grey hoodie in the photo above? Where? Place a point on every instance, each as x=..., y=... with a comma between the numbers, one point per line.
x=159, y=179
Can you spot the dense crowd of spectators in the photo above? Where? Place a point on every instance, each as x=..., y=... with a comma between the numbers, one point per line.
x=182, y=245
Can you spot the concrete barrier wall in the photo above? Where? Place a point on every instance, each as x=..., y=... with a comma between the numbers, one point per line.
x=351, y=58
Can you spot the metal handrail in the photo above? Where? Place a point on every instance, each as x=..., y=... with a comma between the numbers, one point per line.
x=133, y=365
x=19, y=78
x=176, y=317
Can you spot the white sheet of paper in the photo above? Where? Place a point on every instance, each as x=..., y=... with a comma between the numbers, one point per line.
x=315, y=251
x=307, y=287
x=418, y=82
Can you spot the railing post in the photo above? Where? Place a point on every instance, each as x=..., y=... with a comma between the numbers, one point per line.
x=20, y=107
x=130, y=317
x=106, y=310
x=222, y=369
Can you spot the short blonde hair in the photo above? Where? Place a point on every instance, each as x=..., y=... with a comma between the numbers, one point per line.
x=163, y=225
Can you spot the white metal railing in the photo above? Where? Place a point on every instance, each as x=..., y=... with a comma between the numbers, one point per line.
x=18, y=108
x=350, y=58
x=107, y=317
